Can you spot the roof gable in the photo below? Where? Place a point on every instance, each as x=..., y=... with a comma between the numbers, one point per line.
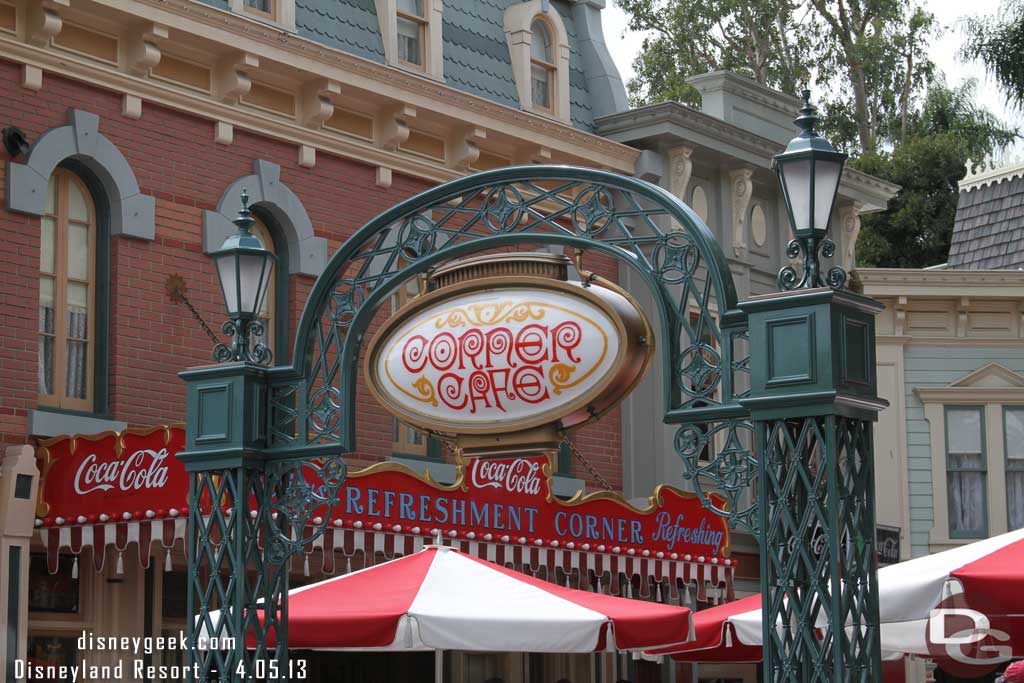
x=991, y=376
x=988, y=232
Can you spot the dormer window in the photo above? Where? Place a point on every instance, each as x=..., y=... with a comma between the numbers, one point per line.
x=542, y=66
x=411, y=33
x=412, y=27
x=262, y=7
x=539, y=47
x=278, y=12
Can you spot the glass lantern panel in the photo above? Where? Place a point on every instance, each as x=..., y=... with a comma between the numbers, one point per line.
x=253, y=271
x=826, y=184
x=226, y=269
x=796, y=176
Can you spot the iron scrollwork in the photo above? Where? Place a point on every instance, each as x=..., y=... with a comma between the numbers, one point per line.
x=809, y=248
x=299, y=490
x=242, y=331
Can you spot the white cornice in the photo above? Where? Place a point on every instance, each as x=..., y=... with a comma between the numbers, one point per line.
x=320, y=61
x=991, y=176
x=1002, y=284
x=971, y=395
x=762, y=149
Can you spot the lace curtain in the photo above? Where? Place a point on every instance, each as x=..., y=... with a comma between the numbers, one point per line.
x=965, y=461
x=1014, y=425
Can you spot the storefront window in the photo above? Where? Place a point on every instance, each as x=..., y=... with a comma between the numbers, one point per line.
x=52, y=592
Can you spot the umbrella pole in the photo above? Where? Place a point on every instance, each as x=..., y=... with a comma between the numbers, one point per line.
x=438, y=666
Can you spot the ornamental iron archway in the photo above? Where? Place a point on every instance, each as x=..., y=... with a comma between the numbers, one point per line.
x=252, y=430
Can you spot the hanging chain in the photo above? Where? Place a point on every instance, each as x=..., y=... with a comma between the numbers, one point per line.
x=586, y=463
x=176, y=293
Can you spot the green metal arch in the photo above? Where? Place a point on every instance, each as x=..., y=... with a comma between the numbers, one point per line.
x=312, y=403
x=455, y=188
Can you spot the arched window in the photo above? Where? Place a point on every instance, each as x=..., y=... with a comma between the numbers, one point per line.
x=538, y=46
x=67, y=294
x=268, y=309
x=542, y=66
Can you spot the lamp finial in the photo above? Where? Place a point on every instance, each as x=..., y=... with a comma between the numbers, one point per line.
x=808, y=117
x=244, y=220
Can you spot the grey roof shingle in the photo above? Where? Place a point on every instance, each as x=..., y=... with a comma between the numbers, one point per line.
x=988, y=233
x=476, y=58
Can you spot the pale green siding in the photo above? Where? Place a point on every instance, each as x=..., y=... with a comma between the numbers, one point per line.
x=937, y=366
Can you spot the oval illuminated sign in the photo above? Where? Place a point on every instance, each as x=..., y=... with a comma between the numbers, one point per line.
x=489, y=358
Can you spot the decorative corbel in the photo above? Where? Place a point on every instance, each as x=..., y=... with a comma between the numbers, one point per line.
x=900, y=324
x=742, y=191
x=961, y=316
x=143, y=49
x=393, y=125
x=44, y=20
x=680, y=170
x=131, y=106
x=463, y=147
x=232, y=75
x=31, y=77
x=223, y=133
x=317, y=105
x=532, y=154
x=307, y=156
x=383, y=176
x=849, y=223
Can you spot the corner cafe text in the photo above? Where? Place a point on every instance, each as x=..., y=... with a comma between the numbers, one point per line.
x=505, y=498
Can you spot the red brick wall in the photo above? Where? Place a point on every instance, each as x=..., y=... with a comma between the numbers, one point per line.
x=175, y=160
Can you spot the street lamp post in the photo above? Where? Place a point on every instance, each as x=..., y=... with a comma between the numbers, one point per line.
x=813, y=401
x=234, y=593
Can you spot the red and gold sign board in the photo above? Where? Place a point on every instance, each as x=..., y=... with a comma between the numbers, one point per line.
x=112, y=476
x=509, y=500
x=134, y=475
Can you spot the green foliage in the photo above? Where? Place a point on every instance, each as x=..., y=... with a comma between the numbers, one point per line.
x=947, y=131
x=914, y=232
x=868, y=56
x=998, y=41
x=758, y=38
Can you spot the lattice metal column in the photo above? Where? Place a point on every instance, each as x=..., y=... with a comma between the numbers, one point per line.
x=235, y=594
x=813, y=400
x=237, y=597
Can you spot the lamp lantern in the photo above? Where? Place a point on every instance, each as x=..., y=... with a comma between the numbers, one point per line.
x=809, y=171
x=244, y=267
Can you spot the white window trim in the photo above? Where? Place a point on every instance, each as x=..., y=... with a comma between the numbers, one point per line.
x=285, y=11
x=972, y=390
x=433, y=59
x=519, y=20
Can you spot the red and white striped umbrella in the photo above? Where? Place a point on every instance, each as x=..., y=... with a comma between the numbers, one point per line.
x=974, y=594
x=442, y=599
